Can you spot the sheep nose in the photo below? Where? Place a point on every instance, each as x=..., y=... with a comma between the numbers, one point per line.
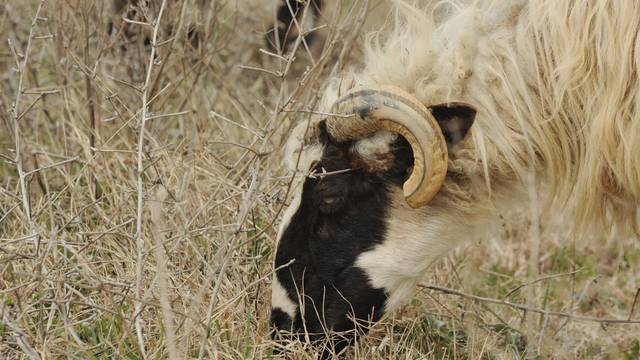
x=280, y=321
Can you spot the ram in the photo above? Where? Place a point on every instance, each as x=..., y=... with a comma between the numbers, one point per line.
x=459, y=111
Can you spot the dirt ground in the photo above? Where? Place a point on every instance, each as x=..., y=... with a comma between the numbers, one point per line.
x=139, y=219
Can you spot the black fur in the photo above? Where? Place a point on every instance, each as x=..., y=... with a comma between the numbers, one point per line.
x=455, y=120
x=340, y=217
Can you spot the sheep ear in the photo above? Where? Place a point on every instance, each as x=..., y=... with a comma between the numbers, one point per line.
x=455, y=120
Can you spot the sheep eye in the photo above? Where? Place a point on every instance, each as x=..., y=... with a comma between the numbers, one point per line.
x=332, y=202
x=329, y=200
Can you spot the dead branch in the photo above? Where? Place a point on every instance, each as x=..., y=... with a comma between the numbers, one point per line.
x=528, y=308
x=22, y=67
x=140, y=170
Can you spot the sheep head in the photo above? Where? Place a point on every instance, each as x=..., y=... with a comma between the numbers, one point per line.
x=376, y=144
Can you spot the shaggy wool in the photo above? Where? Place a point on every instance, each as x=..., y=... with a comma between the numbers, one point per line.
x=555, y=83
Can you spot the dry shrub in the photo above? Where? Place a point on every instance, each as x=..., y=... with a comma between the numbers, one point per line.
x=99, y=259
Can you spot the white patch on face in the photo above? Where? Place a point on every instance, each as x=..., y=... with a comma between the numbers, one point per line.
x=280, y=300
x=298, y=160
x=303, y=138
x=415, y=238
x=296, y=190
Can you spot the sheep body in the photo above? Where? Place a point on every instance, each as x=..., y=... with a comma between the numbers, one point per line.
x=556, y=88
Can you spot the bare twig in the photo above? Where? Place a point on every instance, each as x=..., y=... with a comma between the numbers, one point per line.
x=635, y=301
x=22, y=67
x=7, y=158
x=160, y=116
x=91, y=106
x=129, y=21
x=270, y=72
x=256, y=152
x=529, y=308
x=215, y=115
x=103, y=233
x=35, y=101
x=324, y=173
x=269, y=53
x=75, y=158
x=253, y=283
x=140, y=170
x=18, y=334
x=313, y=112
x=41, y=91
x=548, y=277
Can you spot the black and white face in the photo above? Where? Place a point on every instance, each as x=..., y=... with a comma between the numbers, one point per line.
x=326, y=278
x=336, y=218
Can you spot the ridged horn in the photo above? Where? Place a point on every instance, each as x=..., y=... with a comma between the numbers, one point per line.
x=367, y=110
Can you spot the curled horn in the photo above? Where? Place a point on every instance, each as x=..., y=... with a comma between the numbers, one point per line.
x=389, y=108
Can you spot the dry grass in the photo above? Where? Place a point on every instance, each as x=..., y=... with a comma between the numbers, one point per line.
x=90, y=247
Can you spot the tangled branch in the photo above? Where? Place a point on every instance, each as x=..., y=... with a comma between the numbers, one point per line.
x=529, y=308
